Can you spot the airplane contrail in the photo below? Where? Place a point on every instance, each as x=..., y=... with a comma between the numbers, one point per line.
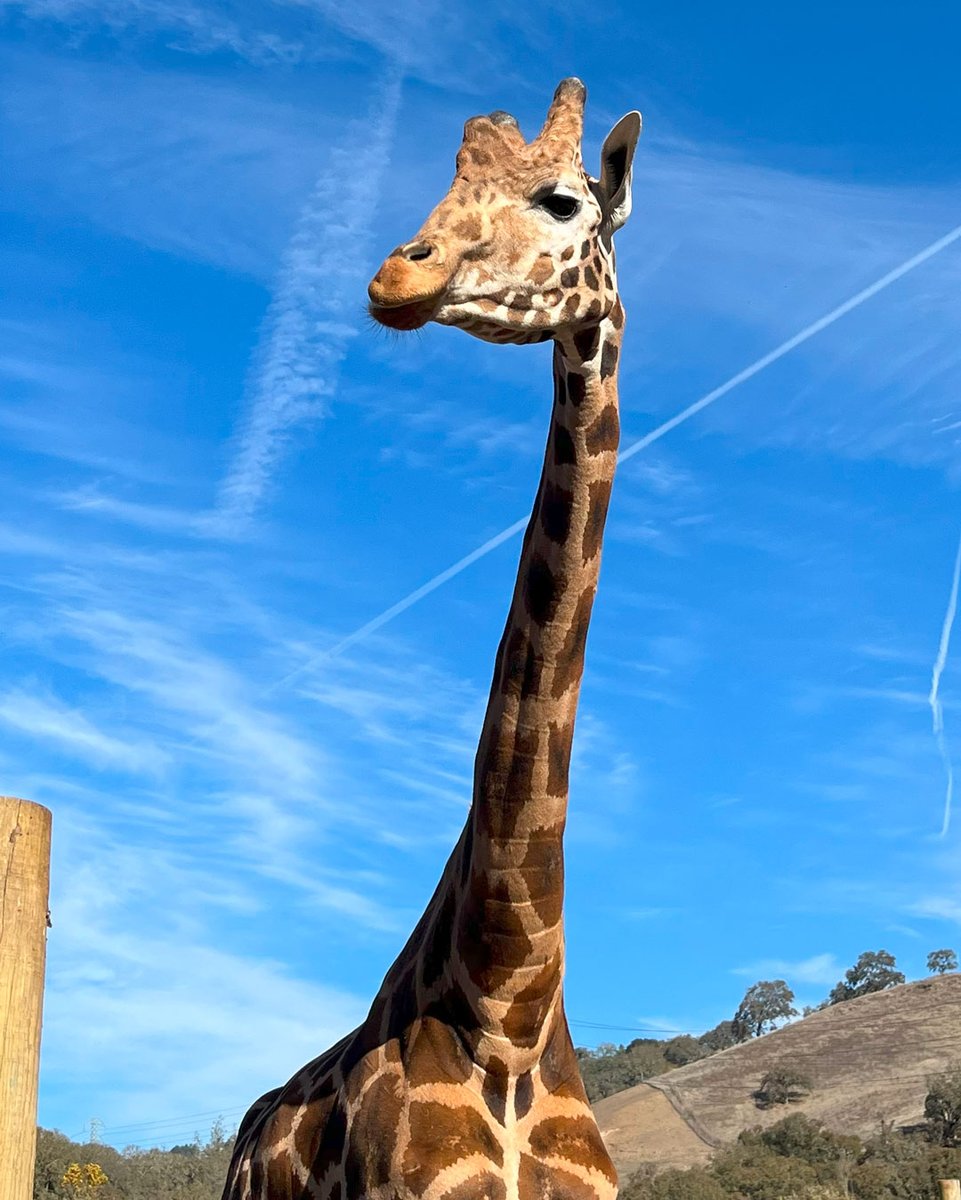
x=934, y=699
x=648, y=439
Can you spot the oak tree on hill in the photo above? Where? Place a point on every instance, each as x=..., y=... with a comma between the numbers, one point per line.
x=764, y=1003
x=874, y=971
x=942, y=961
x=784, y=1084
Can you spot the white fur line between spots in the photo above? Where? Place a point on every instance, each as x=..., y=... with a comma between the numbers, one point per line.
x=655, y=435
x=934, y=699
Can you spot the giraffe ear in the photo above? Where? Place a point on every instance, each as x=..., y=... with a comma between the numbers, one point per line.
x=614, y=185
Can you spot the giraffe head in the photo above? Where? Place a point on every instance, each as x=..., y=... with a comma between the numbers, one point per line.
x=521, y=246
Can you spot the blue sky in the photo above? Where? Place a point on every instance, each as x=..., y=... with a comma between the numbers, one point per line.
x=215, y=471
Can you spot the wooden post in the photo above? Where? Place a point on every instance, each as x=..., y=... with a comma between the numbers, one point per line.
x=950, y=1189
x=24, y=891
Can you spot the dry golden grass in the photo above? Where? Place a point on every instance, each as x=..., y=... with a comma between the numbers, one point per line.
x=869, y=1060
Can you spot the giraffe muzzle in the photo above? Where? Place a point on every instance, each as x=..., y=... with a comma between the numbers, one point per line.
x=409, y=287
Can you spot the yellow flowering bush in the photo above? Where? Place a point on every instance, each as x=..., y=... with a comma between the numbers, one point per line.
x=84, y=1179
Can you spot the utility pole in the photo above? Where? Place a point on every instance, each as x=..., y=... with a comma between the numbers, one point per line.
x=950, y=1189
x=24, y=917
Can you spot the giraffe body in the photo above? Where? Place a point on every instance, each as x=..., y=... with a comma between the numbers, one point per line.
x=462, y=1082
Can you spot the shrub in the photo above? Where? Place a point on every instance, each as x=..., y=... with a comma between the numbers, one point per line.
x=942, y=1107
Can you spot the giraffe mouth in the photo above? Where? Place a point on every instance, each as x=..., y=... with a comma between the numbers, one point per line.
x=412, y=315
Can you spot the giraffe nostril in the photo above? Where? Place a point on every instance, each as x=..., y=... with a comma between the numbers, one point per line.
x=416, y=251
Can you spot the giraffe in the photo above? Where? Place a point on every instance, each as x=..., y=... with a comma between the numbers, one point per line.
x=462, y=1082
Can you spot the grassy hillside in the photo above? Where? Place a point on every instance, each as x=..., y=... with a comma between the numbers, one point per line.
x=868, y=1059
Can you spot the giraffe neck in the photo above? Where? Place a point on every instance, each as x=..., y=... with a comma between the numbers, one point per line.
x=508, y=944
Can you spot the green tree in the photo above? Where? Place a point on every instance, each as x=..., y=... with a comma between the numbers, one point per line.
x=942, y=961
x=798, y=1136
x=764, y=1003
x=721, y=1037
x=784, y=1084
x=874, y=971
x=752, y=1171
x=942, y=1107
x=683, y=1049
x=610, y=1069
x=696, y=1183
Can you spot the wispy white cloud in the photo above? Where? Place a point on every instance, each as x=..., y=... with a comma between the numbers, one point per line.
x=199, y=691
x=198, y=28
x=425, y=35
x=819, y=968
x=47, y=719
x=944, y=908
x=136, y=974
x=315, y=311
x=217, y=177
x=157, y=518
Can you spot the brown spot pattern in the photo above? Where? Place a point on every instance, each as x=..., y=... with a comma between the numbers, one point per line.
x=559, y=740
x=492, y=941
x=537, y=1181
x=524, y=1020
x=571, y=657
x=541, y=591
x=522, y=669
x=523, y=1095
x=437, y=946
x=505, y=769
x=576, y=388
x=586, y=341
x=608, y=359
x=435, y=1054
x=494, y=1088
x=403, y=1009
x=559, y=1072
x=600, y=495
x=571, y=307
x=469, y=227
x=541, y=271
x=564, y=452
x=573, y=1138
x=484, y=1186
x=441, y=1136
x=604, y=432
x=556, y=508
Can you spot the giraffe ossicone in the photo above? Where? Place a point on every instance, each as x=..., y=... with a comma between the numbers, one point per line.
x=462, y=1083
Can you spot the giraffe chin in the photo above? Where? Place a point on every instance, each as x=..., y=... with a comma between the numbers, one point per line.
x=403, y=316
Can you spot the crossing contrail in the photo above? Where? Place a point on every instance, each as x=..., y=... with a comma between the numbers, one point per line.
x=934, y=699
x=648, y=439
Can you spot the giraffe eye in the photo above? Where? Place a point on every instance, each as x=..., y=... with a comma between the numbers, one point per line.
x=561, y=206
